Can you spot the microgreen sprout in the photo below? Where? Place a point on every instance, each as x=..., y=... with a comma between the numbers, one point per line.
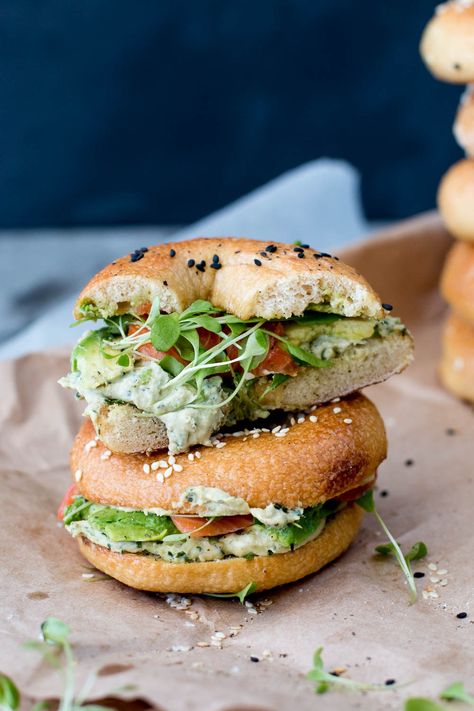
x=9, y=694
x=457, y=692
x=240, y=595
x=420, y=704
x=56, y=651
x=367, y=503
x=416, y=552
x=329, y=680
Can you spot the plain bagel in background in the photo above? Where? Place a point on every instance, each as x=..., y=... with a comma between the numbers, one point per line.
x=457, y=280
x=456, y=199
x=463, y=128
x=457, y=364
x=447, y=44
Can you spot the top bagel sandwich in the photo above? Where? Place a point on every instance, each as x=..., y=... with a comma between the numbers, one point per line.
x=204, y=333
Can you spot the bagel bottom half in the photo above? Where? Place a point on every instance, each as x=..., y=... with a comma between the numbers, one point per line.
x=146, y=572
x=456, y=369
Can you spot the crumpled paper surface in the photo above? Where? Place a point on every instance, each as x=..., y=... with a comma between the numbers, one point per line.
x=357, y=608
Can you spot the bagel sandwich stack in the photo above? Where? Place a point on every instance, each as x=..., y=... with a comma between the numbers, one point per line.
x=447, y=47
x=225, y=442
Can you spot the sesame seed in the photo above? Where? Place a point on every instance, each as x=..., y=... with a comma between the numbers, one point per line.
x=172, y=253
x=418, y=574
x=280, y=434
x=191, y=263
x=337, y=410
x=78, y=475
x=442, y=571
x=177, y=468
x=444, y=582
x=461, y=615
x=106, y=455
x=90, y=445
x=160, y=477
x=433, y=567
x=171, y=459
x=146, y=468
x=292, y=421
x=347, y=420
x=219, y=445
x=298, y=249
x=300, y=255
x=168, y=472
x=336, y=399
x=257, y=262
x=271, y=248
x=215, y=258
x=202, y=644
x=267, y=654
x=387, y=307
x=219, y=635
x=276, y=429
x=163, y=464
x=191, y=457
x=254, y=659
x=197, y=455
x=313, y=418
x=88, y=576
x=155, y=466
x=216, y=265
x=201, y=266
x=301, y=419
x=434, y=579
x=256, y=435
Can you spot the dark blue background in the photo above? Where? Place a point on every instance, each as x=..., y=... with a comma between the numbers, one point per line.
x=160, y=111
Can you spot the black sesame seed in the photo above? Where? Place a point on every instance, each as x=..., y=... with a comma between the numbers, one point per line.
x=215, y=265
x=143, y=249
x=298, y=249
x=418, y=574
x=191, y=263
x=258, y=262
x=409, y=462
x=461, y=615
x=387, y=307
x=215, y=258
x=336, y=258
x=300, y=255
x=390, y=682
x=264, y=254
x=271, y=248
x=201, y=266
x=384, y=493
x=136, y=256
x=305, y=246
x=450, y=431
x=254, y=659
x=326, y=254
x=317, y=255
x=172, y=253
x=165, y=283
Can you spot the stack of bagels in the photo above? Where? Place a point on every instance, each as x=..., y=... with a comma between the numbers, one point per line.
x=447, y=48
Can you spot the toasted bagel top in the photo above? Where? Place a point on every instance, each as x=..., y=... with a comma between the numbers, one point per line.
x=244, y=277
x=313, y=462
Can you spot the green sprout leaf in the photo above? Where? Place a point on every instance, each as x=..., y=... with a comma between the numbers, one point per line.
x=306, y=357
x=123, y=360
x=9, y=694
x=366, y=501
x=326, y=680
x=457, y=692
x=417, y=551
x=277, y=380
x=198, y=307
x=165, y=331
x=55, y=631
x=420, y=704
x=241, y=595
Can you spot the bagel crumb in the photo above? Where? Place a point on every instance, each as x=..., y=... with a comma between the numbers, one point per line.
x=146, y=468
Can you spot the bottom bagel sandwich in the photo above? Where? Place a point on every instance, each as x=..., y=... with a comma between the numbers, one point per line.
x=266, y=507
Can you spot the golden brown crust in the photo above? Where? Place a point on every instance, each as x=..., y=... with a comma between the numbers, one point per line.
x=457, y=280
x=314, y=462
x=456, y=199
x=146, y=572
x=457, y=363
x=463, y=128
x=280, y=286
x=447, y=44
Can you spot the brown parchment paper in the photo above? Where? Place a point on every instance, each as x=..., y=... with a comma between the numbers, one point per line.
x=356, y=608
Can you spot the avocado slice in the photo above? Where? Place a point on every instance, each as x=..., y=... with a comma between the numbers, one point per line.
x=95, y=364
x=351, y=329
x=131, y=525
